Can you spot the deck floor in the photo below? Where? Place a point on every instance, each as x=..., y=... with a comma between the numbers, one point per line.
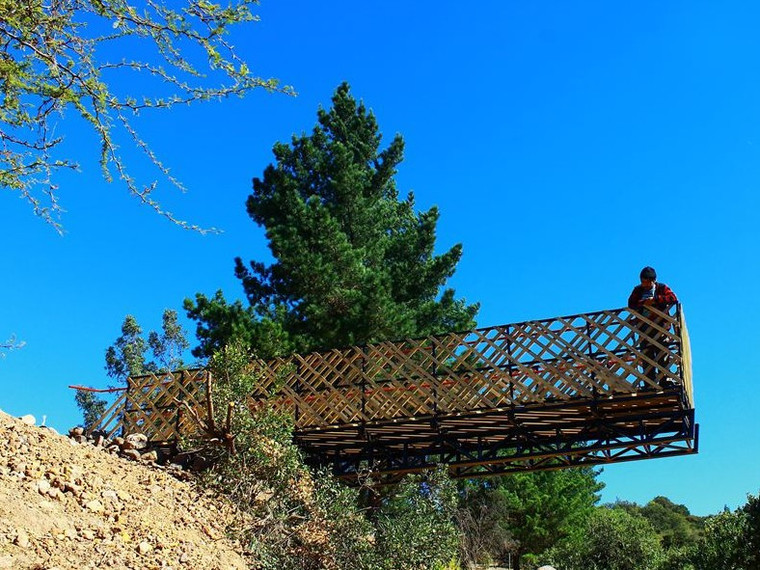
x=492, y=441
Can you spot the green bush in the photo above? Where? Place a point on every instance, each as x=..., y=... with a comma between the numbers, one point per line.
x=293, y=519
x=289, y=518
x=731, y=540
x=612, y=539
x=415, y=526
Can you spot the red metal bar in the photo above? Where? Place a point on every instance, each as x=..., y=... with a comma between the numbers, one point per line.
x=99, y=390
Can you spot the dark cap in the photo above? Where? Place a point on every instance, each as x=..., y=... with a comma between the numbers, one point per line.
x=648, y=273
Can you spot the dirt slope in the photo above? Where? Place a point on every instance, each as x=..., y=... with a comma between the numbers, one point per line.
x=70, y=506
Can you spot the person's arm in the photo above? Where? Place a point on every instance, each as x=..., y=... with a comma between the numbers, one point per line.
x=664, y=295
x=634, y=300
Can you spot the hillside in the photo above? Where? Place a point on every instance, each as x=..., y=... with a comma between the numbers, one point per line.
x=67, y=506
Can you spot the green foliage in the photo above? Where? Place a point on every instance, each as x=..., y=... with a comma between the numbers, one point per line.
x=292, y=520
x=127, y=356
x=415, y=526
x=235, y=378
x=91, y=406
x=532, y=512
x=675, y=525
x=721, y=546
x=611, y=539
x=221, y=323
x=353, y=263
x=731, y=540
x=298, y=520
x=751, y=512
x=168, y=345
x=352, y=535
x=56, y=57
x=679, y=531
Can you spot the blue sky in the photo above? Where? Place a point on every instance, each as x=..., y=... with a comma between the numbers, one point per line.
x=566, y=144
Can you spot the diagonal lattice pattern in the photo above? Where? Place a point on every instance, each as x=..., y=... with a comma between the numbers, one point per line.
x=149, y=405
x=593, y=388
x=530, y=363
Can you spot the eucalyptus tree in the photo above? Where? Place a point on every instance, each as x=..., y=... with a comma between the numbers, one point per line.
x=128, y=355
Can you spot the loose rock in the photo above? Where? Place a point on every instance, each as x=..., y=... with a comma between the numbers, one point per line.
x=110, y=494
x=95, y=506
x=22, y=539
x=88, y=534
x=136, y=441
x=150, y=456
x=132, y=454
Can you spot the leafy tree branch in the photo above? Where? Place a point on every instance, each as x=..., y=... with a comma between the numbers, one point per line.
x=54, y=60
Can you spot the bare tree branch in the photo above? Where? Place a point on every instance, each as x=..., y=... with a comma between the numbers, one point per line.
x=10, y=344
x=214, y=434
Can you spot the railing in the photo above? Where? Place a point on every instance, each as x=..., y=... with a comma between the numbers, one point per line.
x=150, y=404
x=589, y=356
x=592, y=355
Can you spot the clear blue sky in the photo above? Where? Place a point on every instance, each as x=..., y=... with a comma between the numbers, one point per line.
x=567, y=144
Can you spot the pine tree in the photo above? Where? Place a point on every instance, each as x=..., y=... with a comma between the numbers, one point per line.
x=353, y=263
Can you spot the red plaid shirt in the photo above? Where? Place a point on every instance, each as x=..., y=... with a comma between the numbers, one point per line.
x=663, y=297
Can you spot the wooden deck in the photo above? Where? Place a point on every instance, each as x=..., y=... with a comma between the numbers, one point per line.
x=593, y=388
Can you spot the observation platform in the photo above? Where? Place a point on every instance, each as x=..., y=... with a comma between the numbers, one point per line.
x=587, y=389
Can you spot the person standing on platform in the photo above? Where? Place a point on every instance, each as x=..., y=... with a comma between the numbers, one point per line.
x=651, y=293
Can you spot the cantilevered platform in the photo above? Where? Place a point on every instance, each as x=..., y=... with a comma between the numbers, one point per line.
x=586, y=389
x=544, y=394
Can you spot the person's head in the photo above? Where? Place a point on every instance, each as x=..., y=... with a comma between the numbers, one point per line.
x=648, y=276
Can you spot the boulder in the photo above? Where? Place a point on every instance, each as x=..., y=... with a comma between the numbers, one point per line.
x=132, y=454
x=150, y=456
x=136, y=441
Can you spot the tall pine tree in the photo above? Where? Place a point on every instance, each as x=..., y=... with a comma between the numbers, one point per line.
x=353, y=263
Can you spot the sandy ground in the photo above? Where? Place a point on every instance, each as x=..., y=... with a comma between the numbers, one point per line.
x=70, y=506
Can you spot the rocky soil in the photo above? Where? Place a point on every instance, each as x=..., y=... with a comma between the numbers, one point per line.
x=66, y=505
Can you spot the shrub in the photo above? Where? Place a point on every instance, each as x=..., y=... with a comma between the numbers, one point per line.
x=612, y=539
x=415, y=525
x=289, y=519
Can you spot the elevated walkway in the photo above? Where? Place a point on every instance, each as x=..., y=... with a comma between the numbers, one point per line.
x=586, y=389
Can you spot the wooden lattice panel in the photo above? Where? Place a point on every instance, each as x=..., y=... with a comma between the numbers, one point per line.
x=531, y=363
x=149, y=405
